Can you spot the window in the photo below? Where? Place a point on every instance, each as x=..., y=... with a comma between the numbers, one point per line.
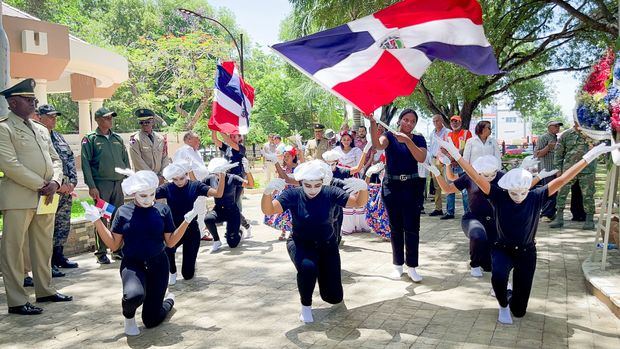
x=511, y=120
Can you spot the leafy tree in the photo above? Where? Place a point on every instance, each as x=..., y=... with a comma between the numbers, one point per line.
x=531, y=39
x=543, y=114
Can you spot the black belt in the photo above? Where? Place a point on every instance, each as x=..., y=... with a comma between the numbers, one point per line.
x=517, y=248
x=402, y=177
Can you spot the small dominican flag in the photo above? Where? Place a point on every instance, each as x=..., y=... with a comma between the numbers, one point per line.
x=232, y=102
x=106, y=209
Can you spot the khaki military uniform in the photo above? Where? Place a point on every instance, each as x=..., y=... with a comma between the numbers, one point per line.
x=147, y=154
x=315, y=150
x=28, y=160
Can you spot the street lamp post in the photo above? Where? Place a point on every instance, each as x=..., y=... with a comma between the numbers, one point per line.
x=237, y=46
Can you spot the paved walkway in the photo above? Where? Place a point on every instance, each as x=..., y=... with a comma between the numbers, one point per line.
x=247, y=298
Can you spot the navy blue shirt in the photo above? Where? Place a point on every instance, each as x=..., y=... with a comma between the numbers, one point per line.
x=479, y=205
x=234, y=156
x=399, y=160
x=230, y=188
x=313, y=218
x=143, y=229
x=181, y=200
x=517, y=223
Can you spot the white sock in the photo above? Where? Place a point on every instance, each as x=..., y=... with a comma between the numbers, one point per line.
x=216, y=246
x=170, y=295
x=172, y=279
x=504, y=316
x=397, y=272
x=306, y=314
x=476, y=272
x=131, y=328
x=413, y=274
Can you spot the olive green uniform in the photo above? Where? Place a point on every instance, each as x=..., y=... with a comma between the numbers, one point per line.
x=28, y=160
x=100, y=155
x=315, y=149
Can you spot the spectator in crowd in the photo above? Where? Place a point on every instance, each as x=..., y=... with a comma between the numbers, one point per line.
x=482, y=143
x=149, y=149
x=459, y=137
x=270, y=159
x=317, y=146
x=440, y=132
x=545, y=151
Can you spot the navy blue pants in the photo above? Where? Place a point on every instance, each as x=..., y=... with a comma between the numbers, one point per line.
x=482, y=233
x=317, y=261
x=523, y=261
x=191, y=243
x=145, y=283
x=402, y=203
x=229, y=214
x=338, y=224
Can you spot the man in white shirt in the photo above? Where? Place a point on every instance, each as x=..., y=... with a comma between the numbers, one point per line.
x=269, y=152
x=441, y=132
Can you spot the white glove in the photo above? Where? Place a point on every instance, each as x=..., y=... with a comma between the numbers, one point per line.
x=444, y=159
x=353, y=185
x=376, y=168
x=246, y=164
x=544, y=174
x=199, y=208
x=449, y=147
x=367, y=147
x=431, y=168
x=271, y=157
x=224, y=168
x=529, y=162
x=91, y=212
x=298, y=141
x=276, y=184
x=598, y=151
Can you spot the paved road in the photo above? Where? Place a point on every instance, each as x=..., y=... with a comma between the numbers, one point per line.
x=247, y=298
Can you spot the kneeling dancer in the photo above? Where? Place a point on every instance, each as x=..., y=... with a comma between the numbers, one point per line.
x=180, y=194
x=313, y=246
x=516, y=211
x=143, y=227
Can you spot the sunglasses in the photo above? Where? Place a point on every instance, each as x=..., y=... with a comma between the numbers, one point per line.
x=145, y=122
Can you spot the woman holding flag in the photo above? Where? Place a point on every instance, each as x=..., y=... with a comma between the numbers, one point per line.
x=401, y=191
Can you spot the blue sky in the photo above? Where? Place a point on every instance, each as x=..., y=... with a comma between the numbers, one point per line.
x=261, y=20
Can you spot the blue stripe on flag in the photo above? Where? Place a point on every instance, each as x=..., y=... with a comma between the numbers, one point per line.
x=477, y=59
x=229, y=85
x=325, y=49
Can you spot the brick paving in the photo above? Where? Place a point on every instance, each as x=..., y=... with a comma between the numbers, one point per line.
x=247, y=298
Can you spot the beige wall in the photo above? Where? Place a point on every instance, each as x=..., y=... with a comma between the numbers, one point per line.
x=85, y=87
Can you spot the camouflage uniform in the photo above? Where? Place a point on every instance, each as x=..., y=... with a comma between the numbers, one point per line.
x=62, y=224
x=570, y=150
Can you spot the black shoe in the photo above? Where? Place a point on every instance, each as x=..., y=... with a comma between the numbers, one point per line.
x=118, y=255
x=59, y=259
x=65, y=263
x=436, y=213
x=57, y=273
x=26, y=309
x=103, y=259
x=58, y=297
x=28, y=282
x=448, y=216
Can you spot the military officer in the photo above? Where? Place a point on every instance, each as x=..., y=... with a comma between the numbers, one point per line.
x=62, y=225
x=31, y=169
x=569, y=150
x=102, y=151
x=149, y=149
x=317, y=146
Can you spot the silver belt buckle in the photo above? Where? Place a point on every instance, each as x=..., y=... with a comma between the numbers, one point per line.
x=403, y=178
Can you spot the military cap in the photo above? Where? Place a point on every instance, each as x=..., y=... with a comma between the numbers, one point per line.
x=48, y=109
x=144, y=114
x=103, y=111
x=319, y=127
x=24, y=89
x=554, y=123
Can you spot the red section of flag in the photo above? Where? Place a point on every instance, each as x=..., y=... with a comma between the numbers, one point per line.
x=223, y=120
x=378, y=86
x=411, y=12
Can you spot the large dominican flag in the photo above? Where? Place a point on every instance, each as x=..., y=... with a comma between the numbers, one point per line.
x=233, y=99
x=371, y=61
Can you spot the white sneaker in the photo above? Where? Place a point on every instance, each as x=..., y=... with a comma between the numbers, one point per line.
x=131, y=328
x=216, y=246
x=172, y=279
x=397, y=272
x=476, y=272
x=306, y=314
x=248, y=232
x=504, y=316
x=413, y=274
x=171, y=296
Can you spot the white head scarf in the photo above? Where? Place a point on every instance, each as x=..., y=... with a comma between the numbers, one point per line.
x=530, y=163
x=174, y=170
x=220, y=165
x=313, y=171
x=486, y=164
x=516, y=179
x=331, y=156
x=138, y=181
